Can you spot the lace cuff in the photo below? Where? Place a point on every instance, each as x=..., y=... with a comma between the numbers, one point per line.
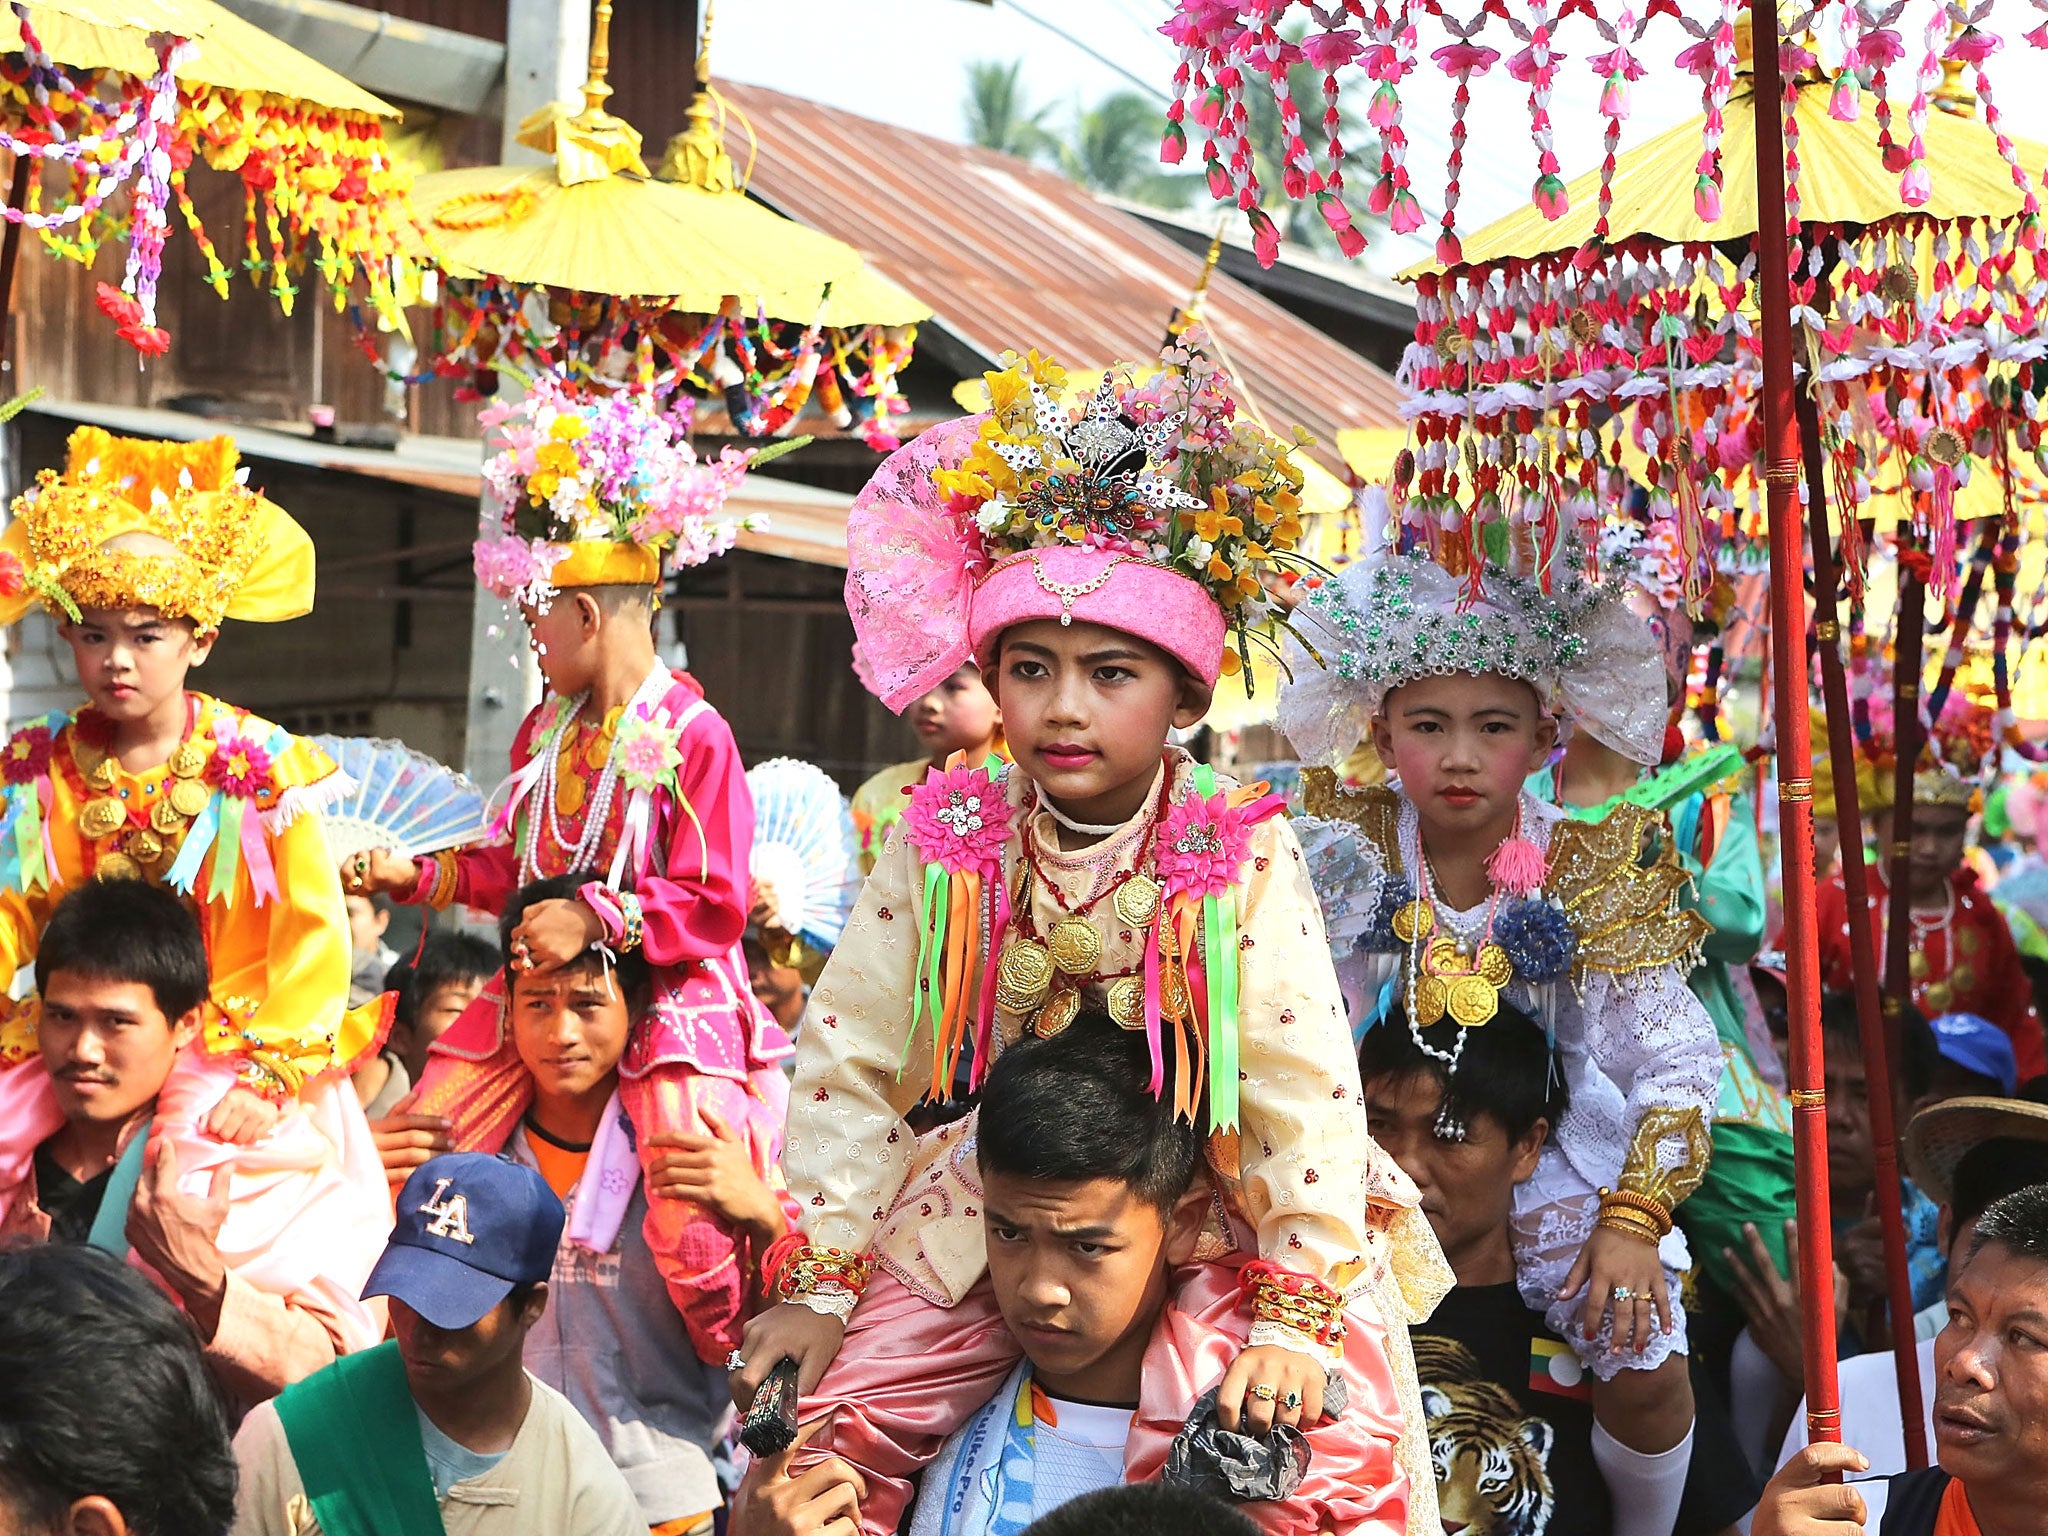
x=839, y=1304
x=1284, y=1337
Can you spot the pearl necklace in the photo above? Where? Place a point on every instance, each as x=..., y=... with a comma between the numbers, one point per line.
x=541, y=805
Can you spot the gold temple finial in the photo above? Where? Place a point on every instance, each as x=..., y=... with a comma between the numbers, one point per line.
x=696, y=157
x=1952, y=95
x=597, y=90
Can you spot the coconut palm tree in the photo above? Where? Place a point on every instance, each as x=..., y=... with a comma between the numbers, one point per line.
x=997, y=114
x=1114, y=148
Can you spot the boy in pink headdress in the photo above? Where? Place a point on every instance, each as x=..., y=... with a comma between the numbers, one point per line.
x=1093, y=566
x=627, y=777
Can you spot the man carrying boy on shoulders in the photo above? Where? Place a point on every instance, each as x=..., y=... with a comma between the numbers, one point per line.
x=1090, y=1194
x=268, y=1255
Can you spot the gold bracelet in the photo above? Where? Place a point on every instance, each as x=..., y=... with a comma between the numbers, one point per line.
x=1629, y=1226
x=1615, y=1201
x=444, y=881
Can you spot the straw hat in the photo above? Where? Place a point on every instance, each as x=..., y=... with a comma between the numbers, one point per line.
x=1941, y=1134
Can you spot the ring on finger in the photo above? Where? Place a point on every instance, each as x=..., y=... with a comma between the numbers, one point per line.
x=1264, y=1393
x=735, y=1361
x=1623, y=1293
x=1291, y=1402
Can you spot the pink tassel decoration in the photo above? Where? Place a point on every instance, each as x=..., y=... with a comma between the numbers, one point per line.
x=1517, y=864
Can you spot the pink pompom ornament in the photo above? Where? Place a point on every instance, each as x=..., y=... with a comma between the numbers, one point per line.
x=1518, y=865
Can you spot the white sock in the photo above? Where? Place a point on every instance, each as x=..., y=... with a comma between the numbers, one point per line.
x=1646, y=1489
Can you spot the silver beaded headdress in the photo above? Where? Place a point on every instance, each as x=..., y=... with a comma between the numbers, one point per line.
x=1389, y=620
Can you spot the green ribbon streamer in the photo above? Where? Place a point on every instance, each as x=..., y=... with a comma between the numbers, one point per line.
x=28, y=838
x=931, y=942
x=227, y=850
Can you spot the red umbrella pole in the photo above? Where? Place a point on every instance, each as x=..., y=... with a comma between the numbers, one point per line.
x=1790, y=687
x=1877, y=1057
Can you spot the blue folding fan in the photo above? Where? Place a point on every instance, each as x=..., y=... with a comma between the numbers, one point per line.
x=804, y=843
x=403, y=800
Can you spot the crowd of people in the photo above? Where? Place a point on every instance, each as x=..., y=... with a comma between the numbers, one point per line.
x=1152, y=1153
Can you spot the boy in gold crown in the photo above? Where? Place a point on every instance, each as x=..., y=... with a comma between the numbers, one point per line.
x=141, y=549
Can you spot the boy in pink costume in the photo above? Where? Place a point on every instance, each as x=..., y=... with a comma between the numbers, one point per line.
x=627, y=776
x=1092, y=566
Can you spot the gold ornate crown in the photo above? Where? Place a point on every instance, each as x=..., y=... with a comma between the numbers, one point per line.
x=1937, y=786
x=135, y=523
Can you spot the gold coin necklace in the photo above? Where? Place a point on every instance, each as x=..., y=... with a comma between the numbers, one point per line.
x=1044, y=977
x=145, y=837
x=1445, y=979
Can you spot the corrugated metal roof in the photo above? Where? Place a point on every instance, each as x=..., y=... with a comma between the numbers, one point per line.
x=1010, y=255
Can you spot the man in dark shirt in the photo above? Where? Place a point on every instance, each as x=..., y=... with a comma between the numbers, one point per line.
x=1990, y=1406
x=1509, y=1406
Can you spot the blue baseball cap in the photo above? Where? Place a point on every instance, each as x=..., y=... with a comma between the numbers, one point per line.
x=1977, y=1045
x=470, y=1228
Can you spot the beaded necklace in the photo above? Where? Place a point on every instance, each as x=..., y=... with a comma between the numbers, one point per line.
x=541, y=803
x=1072, y=948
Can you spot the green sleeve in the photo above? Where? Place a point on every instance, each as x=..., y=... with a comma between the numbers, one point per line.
x=1730, y=893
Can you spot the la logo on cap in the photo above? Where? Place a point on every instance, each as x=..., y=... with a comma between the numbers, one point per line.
x=450, y=1213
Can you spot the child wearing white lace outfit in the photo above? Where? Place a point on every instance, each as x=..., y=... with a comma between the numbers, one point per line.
x=1459, y=889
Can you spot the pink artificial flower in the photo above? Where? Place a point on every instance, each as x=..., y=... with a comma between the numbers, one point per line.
x=2039, y=36
x=1387, y=64
x=1845, y=102
x=959, y=820
x=1404, y=217
x=1450, y=251
x=1706, y=200
x=1523, y=66
x=1879, y=50
x=1384, y=111
x=1915, y=186
x=1202, y=845
x=1974, y=47
x=1465, y=58
x=1331, y=51
x=1265, y=237
x=1549, y=197
x=1699, y=58
x=240, y=767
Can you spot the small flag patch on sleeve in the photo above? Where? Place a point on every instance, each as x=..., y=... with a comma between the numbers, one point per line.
x=1554, y=1369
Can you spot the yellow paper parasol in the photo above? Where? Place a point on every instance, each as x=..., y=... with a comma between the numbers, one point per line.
x=231, y=55
x=173, y=16
x=595, y=222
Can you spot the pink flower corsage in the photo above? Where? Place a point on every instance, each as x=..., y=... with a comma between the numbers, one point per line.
x=648, y=755
x=240, y=768
x=1204, y=841
x=28, y=756
x=959, y=820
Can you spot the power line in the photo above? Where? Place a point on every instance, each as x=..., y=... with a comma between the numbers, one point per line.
x=1149, y=87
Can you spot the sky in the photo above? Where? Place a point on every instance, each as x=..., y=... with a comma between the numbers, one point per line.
x=905, y=62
